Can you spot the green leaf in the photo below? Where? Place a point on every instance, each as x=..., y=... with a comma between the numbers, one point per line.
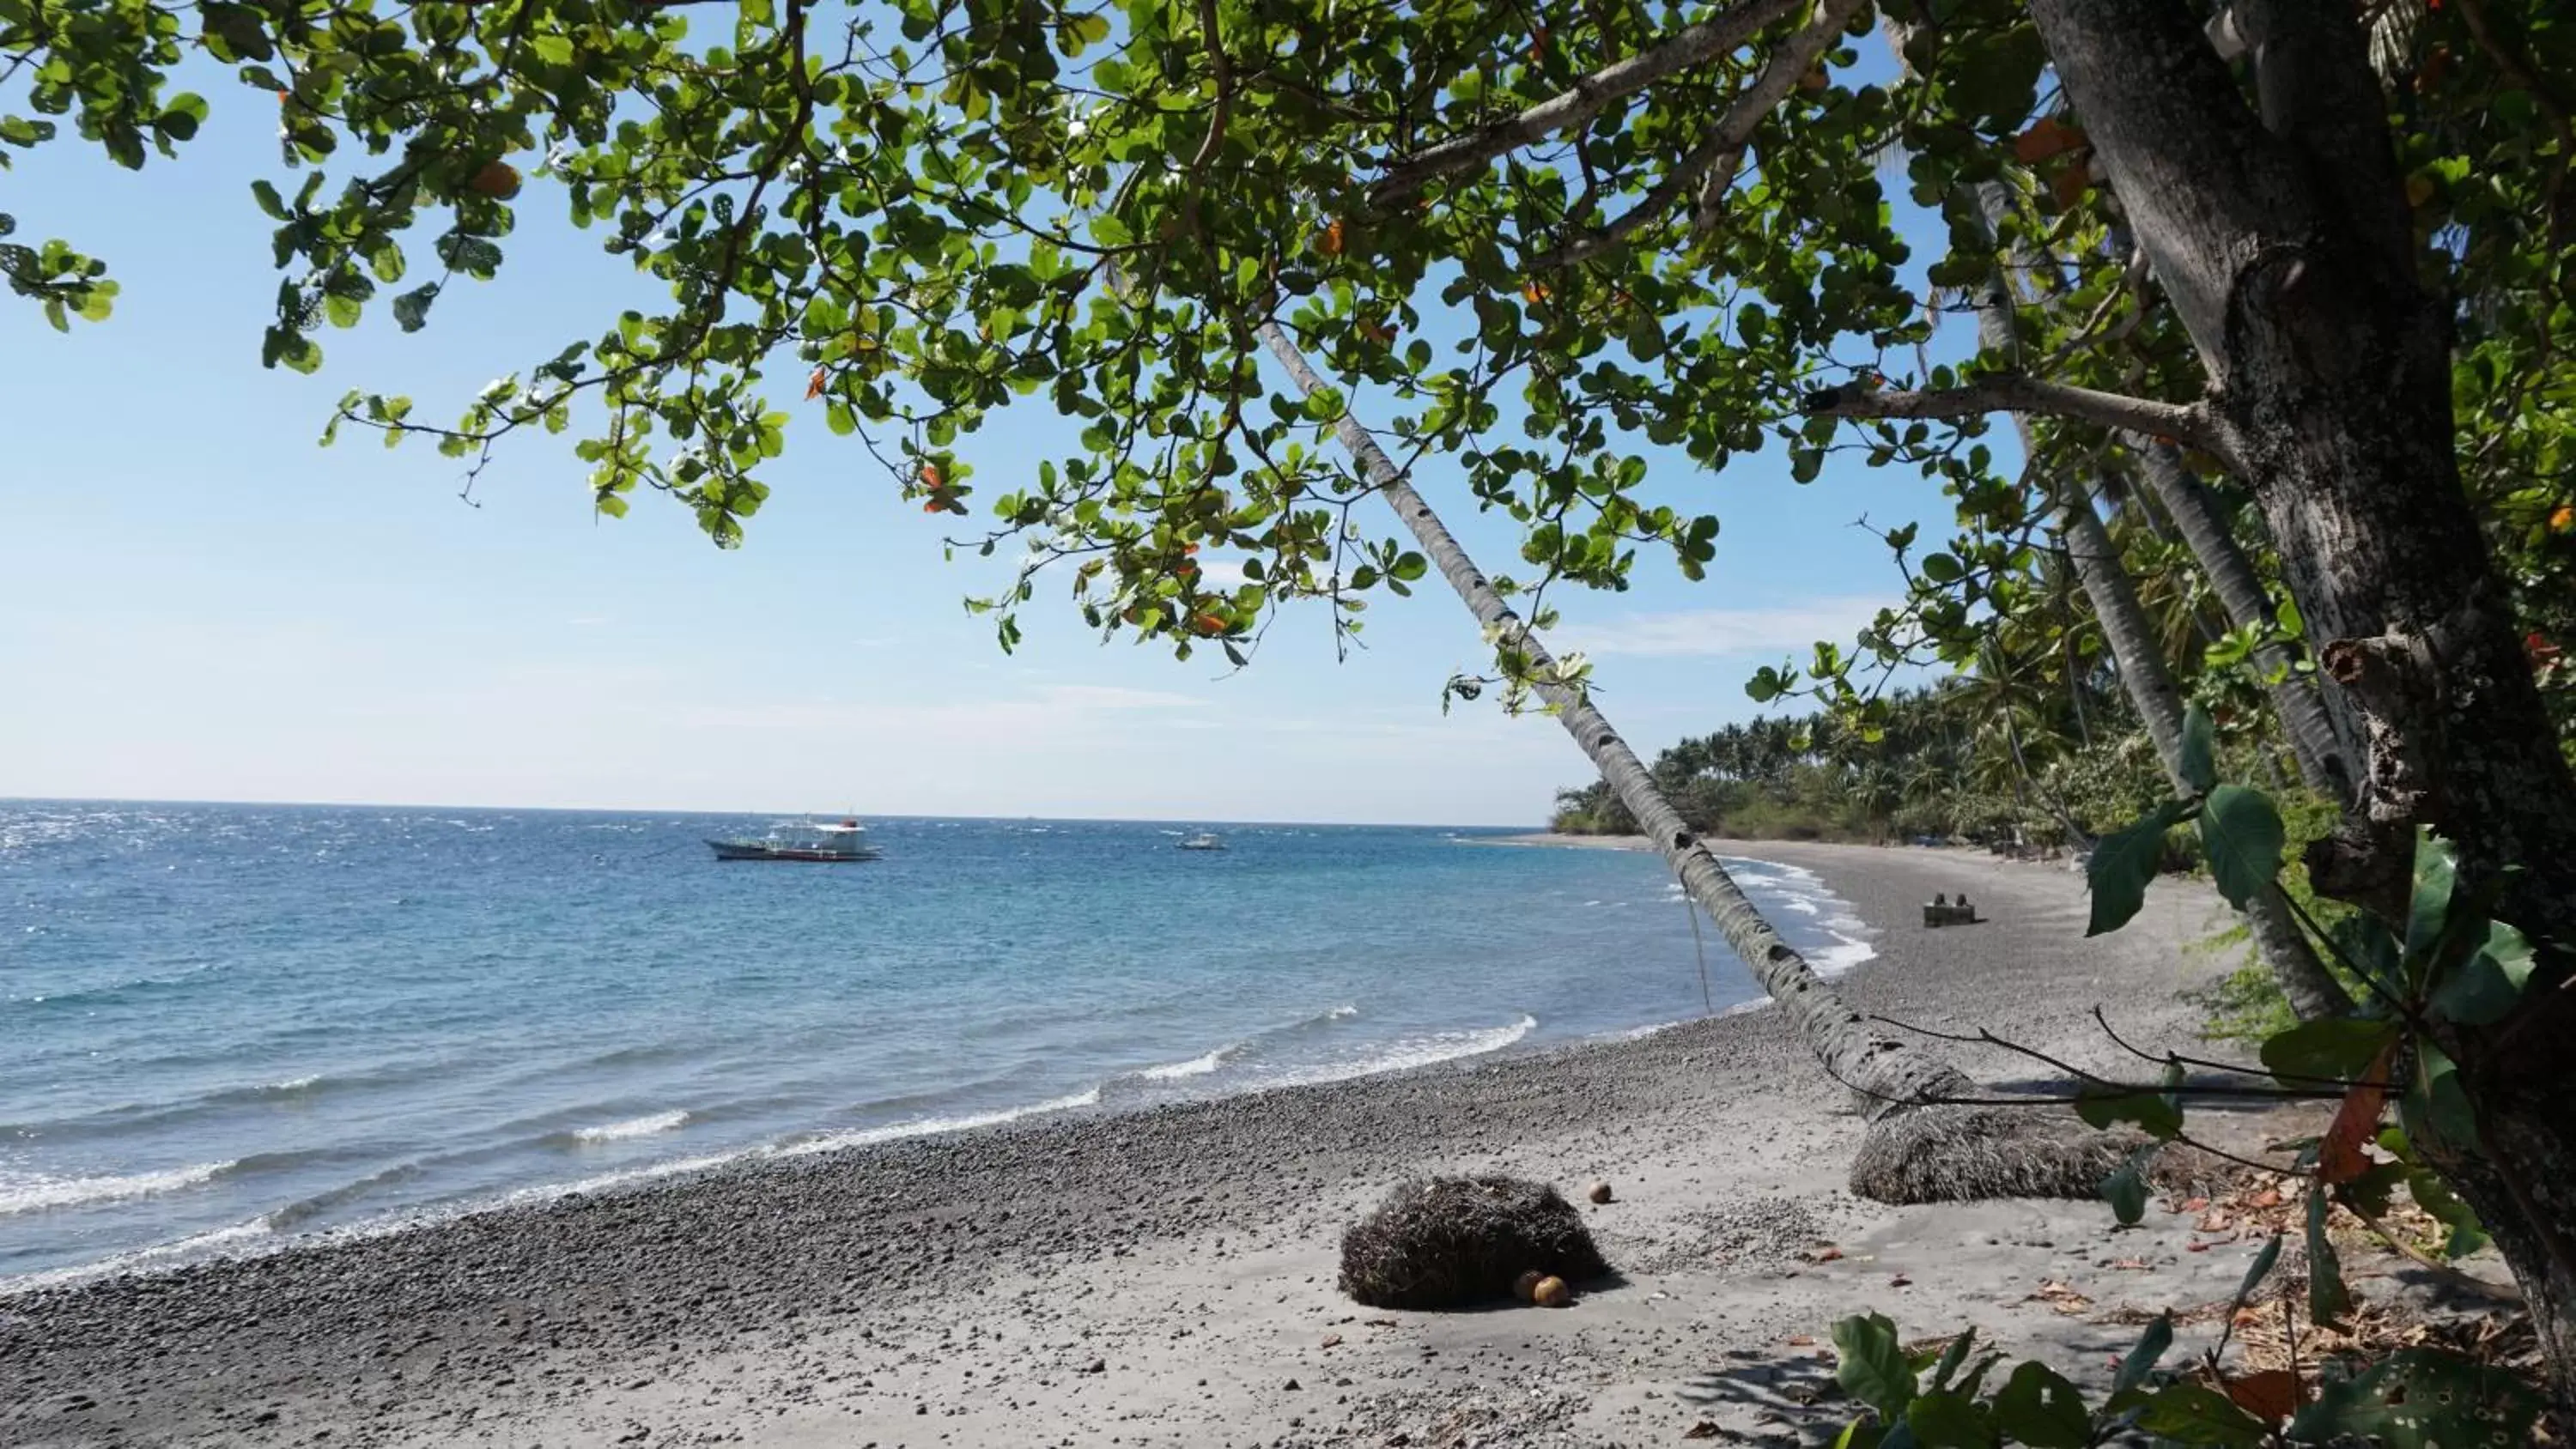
x=2142, y=1358
x=1872, y=1368
x=2259, y=1269
x=2243, y=833
x=2126, y=1188
x=1953, y=1356
x=1943, y=1419
x=2467, y=1233
x=411, y=309
x=2328, y=1300
x=2038, y=1407
x=2153, y=1112
x=2485, y=988
x=2418, y=1398
x=2199, y=750
x=2334, y=1049
x=2199, y=1416
x=2436, y=874
x=2122, y=864
x=2436, y=1106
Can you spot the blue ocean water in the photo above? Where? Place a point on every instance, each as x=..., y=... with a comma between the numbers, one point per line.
x=224, y=1026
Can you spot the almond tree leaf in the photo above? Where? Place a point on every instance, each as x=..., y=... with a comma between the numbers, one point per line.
x=2243, y=833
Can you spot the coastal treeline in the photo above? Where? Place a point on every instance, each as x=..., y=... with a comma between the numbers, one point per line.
x=2228, y=342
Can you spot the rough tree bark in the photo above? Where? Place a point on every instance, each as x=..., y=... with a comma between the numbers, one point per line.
x=1922, y=1143
x=2284, y=241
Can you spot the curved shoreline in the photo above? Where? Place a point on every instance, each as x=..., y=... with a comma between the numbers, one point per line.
x=795, y=1293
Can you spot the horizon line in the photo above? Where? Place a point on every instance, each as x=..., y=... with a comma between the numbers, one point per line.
x=8, y=800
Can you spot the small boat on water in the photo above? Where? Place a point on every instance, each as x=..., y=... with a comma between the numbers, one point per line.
x=1204, y=840
x=802, y=840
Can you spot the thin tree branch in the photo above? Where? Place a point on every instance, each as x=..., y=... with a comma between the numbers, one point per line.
x=1589, y=97
x=2012, y=392
x=1710, y=168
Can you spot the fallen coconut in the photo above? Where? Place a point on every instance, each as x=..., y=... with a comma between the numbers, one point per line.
x=1551, y=1293
x=1525, y=1287
x=1600, y=1192
x=1451, y=1242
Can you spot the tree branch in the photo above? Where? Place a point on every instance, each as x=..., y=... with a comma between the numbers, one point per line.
x=2011, y=392
x=1589, y=97
x=1716, y=159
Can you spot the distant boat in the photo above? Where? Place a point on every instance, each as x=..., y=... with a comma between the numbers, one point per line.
x=802, y=840
x=1203, y=841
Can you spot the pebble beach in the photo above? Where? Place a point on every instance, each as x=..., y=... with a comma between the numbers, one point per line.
x=1165, y=1276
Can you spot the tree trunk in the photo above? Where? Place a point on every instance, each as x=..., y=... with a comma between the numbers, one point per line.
x=2311, y=989
x=2285, y=244
x=1922, y=1143
x=2186, y=500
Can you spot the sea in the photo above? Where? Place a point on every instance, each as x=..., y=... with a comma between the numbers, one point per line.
x=225, y=1029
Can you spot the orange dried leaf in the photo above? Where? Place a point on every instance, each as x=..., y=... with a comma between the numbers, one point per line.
x=814, y=385
x=2339, y=1157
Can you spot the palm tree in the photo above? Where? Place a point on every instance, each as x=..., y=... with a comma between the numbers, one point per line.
x=1923, y=1143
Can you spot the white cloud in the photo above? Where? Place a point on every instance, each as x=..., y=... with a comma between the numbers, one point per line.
x=1790, y=628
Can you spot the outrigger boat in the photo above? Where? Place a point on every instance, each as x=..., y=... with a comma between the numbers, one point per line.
x=802, y=840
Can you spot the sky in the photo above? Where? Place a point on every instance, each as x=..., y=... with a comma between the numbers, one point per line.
x=201, y=604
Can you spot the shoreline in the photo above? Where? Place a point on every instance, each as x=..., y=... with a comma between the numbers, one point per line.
x=1155, y=1275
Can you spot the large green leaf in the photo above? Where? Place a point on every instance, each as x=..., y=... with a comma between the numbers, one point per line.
x=2485, y=987
x=2199, y=1416
x=2433, y=1196
x=2436, y=874
x=2244, y=837
x=2421, y=1398
x=2199, y=750
x=2153, y=1112
x=2334, y=1048
x=1872, y=1366
x=2123, y=862
x=2038, y=1407
x=1946, y=1419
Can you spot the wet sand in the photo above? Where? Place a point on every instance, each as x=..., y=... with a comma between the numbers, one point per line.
x=1166, y=1277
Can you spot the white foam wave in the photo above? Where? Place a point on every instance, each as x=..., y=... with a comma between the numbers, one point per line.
x=293, y=1084
x=1406, y=1053
x=925, y=1126
x=1198, y=1066
x=159, y=1256
x=632, y=1127
x=40, y=1193
x=1341, y=1013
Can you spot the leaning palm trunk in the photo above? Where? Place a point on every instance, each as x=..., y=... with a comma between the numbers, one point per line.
x=2313, y=742
x=1924, y=1143
x=2311, y=989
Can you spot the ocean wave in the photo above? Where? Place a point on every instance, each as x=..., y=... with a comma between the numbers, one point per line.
x=1426, y=1049
x=1198, y=1066
x=658, y=1122
x=220, y=1242
x=925, y=1126
x=41, y=1193
x=305, y=1210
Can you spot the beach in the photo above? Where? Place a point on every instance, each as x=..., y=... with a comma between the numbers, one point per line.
x=1165, y=1276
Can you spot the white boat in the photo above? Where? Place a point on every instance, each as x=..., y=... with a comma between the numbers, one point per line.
x=802, y=840
x=1204, y=840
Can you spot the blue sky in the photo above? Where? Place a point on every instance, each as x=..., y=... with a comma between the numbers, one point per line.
x=201, y=604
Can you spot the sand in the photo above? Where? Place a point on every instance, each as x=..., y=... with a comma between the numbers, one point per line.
x=1166, y=1277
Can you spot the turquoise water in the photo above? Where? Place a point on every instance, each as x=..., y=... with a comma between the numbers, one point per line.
x=225, y=1026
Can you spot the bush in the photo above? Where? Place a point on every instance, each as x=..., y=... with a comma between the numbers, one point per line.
x=1453, y=1242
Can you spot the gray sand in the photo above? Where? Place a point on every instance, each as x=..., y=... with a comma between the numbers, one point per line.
x=1165, y=1277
